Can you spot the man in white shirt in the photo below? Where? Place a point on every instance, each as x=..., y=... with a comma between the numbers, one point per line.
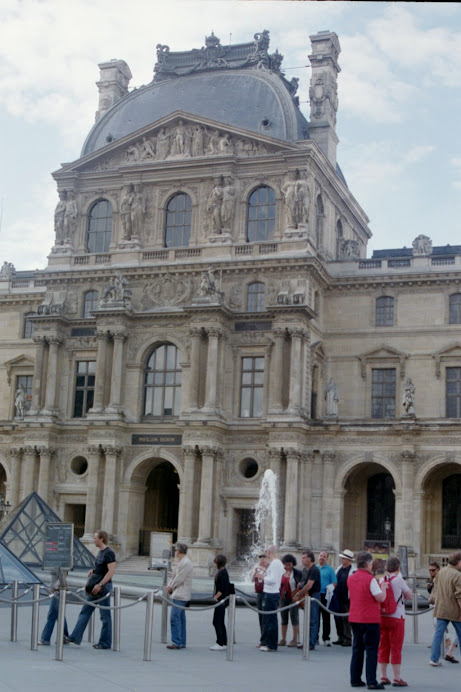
x=272, y=581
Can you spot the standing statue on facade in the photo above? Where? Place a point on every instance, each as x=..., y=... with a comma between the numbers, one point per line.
x=197, y=141
x=70, y=217
x=422, y=246
x=125, y=212
x=20, y=401
x=7, y=270
x=59, y=214
x=117, y=291
x=137, y=211
x=214, y=206
x=331, y=399
x=297, y=199
x=228, y=204
x=209, y=283
x=163, y=144
x=409, y=398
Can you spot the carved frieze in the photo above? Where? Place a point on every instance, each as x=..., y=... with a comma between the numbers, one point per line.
x=169, y=289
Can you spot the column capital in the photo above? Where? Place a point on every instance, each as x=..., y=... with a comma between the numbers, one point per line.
x=196, y=332
x=29, y=450
x=39, y=340
x=279, y=333
x=190, y=450
x=298, y=333
x=119, y=335
x=211, y=451
x=275, y=454
x=14, y=452
x=102, y=334
x=112, y=449
x=94, y=449
x=46, y=451
x=293, y=453
x=308, y=457
x=329, y=456
x=216, y=332
x=56, y=340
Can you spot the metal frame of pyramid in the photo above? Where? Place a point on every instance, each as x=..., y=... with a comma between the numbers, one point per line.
x=23, y=532
x=12, y=569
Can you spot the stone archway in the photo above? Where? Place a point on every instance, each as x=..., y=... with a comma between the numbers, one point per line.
x=369, y=500
x=441, y=514
x=2, y=482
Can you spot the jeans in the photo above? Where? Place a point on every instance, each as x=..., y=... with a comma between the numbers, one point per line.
x=438, y=636
x=270, y=633
x=314, y=628
x=259, y=605
x=326, y=621
x=105, y=639
x=51, y=619
x=178, y=624
x=219, y=624
x=364, y=641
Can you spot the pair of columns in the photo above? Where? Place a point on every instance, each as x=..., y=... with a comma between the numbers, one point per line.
x=213, y=368
x=114, y=406
x=23, y=463
x=46, y=361
x=205, y=460
x=109, y=495
x=299, y=369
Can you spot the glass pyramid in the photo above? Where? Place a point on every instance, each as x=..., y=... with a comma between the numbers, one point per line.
x=23, y=532
x=12, y=569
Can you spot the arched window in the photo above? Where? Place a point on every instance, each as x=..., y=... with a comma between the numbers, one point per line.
x=384, y=311
x=261, y=215
x=90, y=303
x=339, y=239
x=28, y=331
x=162, y=383
x=455, y=308
x=100, y=226
x=255, y=297
x=319, y=220
x=178, y=220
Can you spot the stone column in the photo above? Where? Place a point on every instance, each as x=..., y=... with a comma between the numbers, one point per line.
x=52, y=375
x=98, y=403
x=329, y=459
x=38, y=374
x=94, y=453
x=117, y=369
x=296, y=371
x=275, y=464
x=27, y=472
x=214, y=335
x=307, y=461
x=15, y=467
x=316, y=501
x=44, y=472
x=110, y=485
x=291, y=499
x=195, y=334
x=275, y=391
x=206, y=496
x=186, y=499
x=403, y=533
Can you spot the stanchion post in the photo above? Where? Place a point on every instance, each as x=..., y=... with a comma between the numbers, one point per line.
x=415, y=611
x=306, y=627
x=164, y=621
x=231, y=623
x=148, y=626
x=35, y=620
x=117, y=618
x=61, y=614
x=14, y=611
x=91, y=627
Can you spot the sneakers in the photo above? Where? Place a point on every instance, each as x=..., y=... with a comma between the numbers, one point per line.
x=266, y=648
x=217, y=647
x=44, y=643
x=435, y=664
x=327, y=643
x=100, y=646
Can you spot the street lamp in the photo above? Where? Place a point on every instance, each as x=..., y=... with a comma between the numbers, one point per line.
x=387, y=528
x=5, y=507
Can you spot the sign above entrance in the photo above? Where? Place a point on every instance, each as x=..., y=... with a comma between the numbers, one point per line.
x=152, y=439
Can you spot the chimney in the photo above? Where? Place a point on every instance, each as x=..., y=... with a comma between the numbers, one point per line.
x=323, y=92
x=113, y=83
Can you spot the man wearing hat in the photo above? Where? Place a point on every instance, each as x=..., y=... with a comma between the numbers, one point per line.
x=341, y=598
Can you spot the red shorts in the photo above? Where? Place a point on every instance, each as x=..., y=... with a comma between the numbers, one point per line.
x=392, y=633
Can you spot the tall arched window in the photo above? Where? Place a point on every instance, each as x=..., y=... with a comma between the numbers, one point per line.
x=178, y=220
x=100, y=226
x=255, y=297
x=339, y=239
x=261, y=215
x=319, y=220
x=90, y=303
x=28, y=325
x=384, y=311
x=162, y=383
x=455, y=308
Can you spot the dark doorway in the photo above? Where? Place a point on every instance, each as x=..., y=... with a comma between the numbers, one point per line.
x=380, y=508
x=246, y=532
x=161, y=504
x=76, y=515
x=451, y=511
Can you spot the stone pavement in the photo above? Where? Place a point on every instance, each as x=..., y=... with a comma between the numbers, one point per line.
x=196, y=667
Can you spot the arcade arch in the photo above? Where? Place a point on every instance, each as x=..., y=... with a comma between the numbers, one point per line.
x=441, y=509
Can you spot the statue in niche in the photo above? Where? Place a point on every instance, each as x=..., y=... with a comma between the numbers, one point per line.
x=225, y=145
x=331, y=399
x=70, y=217
x=213, y=143
x=350, y=249
x=125, y=212
x=117, y=291
x=137, y=210
x=147, y=149
x=163, y=144
x=197, y=141
x=209, y=283
x=409, y=398
x=180, y=145
x=228, y=203
x=214, y=206
x=7, y=271
x=59, y=214
x=297, y=198
x=20, y=401
x=422, y=246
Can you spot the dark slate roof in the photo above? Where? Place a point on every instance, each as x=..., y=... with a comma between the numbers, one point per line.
x=241, y=85
x=408, y=251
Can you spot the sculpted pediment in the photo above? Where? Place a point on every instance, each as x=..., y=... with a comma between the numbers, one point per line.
x=382, y=354
x=179, y=136
x=21, y=362
x=451, y=352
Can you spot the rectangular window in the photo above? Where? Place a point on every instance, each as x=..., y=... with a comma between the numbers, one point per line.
x=84, y=387
x=252, y=384
x=385, y=311
x=453, y=392
x=23, y=394
x=383, y=386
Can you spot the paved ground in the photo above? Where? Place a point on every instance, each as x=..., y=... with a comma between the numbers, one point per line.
x=196, y=667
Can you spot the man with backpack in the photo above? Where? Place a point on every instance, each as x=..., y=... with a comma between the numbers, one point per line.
x=392, y=626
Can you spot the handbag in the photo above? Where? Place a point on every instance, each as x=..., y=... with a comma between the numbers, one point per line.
x=293, y=598
x=92, y=580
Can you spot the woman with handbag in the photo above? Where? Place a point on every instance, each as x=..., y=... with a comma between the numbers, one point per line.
x=257, y=577
x=290, y=580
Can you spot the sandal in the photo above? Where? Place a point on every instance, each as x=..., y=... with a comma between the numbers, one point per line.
x=293, y=643
x=385, y=681
x=283, y=642
x=400, y=683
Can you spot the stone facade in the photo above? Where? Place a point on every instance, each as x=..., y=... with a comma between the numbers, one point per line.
x=208, y=312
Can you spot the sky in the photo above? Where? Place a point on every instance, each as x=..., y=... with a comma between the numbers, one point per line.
x=399, y=96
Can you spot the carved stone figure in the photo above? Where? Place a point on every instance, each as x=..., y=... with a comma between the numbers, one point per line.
x=70, y=217
x=228, y=203
x=20, y=401
x=225, y=145
x=163, y=144
x=214, y=207
x=197, y=141
x=209, y=283
x=178, y=144
x=409, y=398
x=7, y=271
x=323, y=96
x=213, y=143
x=147, y=148
x=117, y=291
x=331, y=399
x=125, y=212
x=137, y=211
x=132, y=153
x=422, y=246
x=297, y=199
x=350, y=249
x=59, y=214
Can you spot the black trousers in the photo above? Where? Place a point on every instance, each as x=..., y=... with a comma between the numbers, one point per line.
x=218, y=624
x=343, y=627
x=365, y=642
x=325, y=619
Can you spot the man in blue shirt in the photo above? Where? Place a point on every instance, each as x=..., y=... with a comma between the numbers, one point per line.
x=328, y=579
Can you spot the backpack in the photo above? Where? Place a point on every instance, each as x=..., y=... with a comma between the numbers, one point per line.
x=389, y=605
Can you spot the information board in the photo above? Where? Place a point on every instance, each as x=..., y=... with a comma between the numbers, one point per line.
x=58, y=550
